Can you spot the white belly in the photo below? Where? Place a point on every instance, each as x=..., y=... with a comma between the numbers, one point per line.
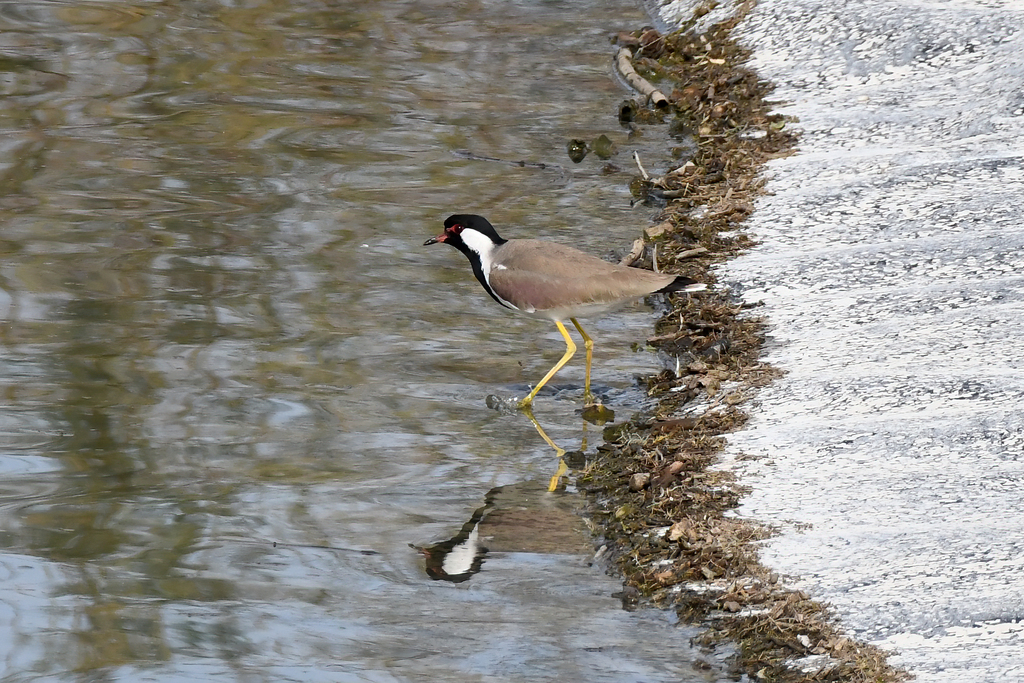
x=579, y=311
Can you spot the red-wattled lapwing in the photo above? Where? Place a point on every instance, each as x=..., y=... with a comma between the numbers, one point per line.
x=550, y=280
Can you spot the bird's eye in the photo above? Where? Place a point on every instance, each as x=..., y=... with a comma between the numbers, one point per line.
x=455, y=229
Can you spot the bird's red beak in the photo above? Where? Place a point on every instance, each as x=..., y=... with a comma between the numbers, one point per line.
x=434, y=240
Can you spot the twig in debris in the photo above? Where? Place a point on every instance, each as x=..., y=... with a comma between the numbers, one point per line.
x=640, y=167
x=634, y=253
x=623, y=61
x=466, y=154
x=690, y=253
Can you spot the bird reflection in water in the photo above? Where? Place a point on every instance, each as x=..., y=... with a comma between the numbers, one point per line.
x=522, y=517
x=462, y=555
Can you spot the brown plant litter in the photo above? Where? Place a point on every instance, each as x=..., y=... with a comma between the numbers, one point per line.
x=661, y=507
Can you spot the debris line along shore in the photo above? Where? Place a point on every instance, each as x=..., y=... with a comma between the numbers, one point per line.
x=660, y=505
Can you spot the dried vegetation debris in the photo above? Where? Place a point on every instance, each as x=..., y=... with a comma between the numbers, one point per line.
x=662, y=508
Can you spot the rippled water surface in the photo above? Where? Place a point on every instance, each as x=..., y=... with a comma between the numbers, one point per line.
x=235, y=385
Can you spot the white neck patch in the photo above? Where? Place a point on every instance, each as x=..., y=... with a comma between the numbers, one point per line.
x=482, y=245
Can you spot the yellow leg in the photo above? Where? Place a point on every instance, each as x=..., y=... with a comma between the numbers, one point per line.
x=588, y=343
x=570, y=349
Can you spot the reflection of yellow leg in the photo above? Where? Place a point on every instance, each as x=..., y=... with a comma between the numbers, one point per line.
x=588, y=343
x=562, y=467
x=570, y=349
x=540, y=430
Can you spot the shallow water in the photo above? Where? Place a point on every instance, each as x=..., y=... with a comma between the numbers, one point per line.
x=236, y=386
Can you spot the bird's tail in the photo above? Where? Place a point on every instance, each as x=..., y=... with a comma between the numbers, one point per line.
x=682, y=284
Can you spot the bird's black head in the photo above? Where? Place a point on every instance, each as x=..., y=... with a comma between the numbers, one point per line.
x=475, y=237
x=456, y=227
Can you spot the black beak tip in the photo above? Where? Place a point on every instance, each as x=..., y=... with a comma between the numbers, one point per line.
x=432, y=240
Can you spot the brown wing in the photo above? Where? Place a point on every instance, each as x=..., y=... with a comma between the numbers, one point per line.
x=537, y=275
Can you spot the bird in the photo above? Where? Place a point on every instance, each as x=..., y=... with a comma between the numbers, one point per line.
x=550, y=280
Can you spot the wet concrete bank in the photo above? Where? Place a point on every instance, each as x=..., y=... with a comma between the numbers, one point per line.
x=887, y=456
x=890, y=254
x=665, y=511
